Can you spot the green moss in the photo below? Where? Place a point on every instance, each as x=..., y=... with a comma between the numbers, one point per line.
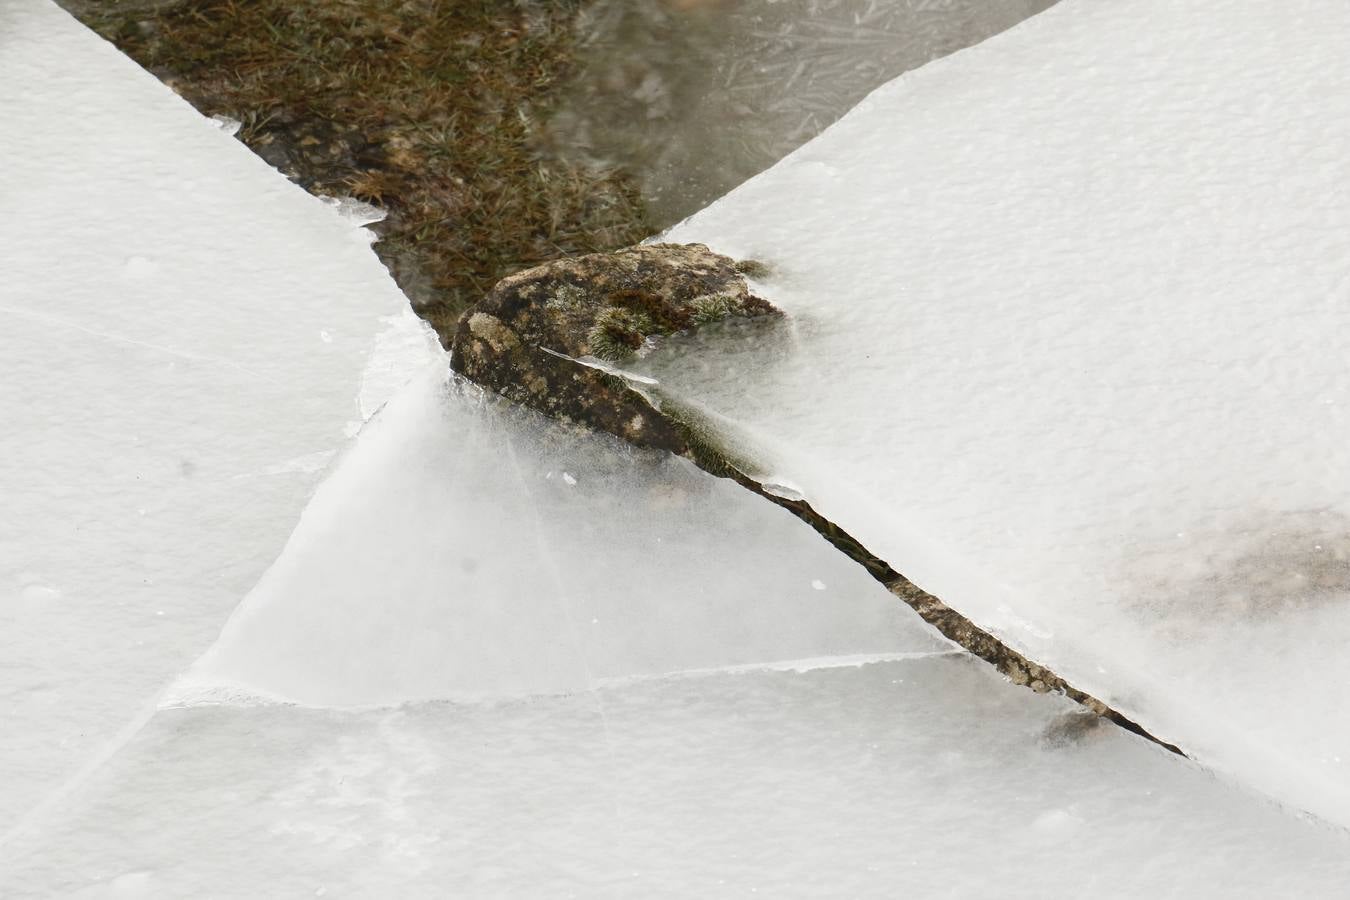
x=712, y=444
x=618, y=333
x=713, y=308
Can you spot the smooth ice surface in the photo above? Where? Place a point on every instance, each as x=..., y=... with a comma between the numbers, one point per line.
x=1070, y=314
x=923, y=778
x=467, y=548
x=185, y=339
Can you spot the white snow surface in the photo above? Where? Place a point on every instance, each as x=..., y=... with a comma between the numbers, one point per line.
x=187, y=338
x=1069, y=322
x=927, y=778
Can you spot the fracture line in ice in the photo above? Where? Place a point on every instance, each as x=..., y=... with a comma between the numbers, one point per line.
x=186, y=695
x=796, y=666
x=573, y=633
x=110, y=748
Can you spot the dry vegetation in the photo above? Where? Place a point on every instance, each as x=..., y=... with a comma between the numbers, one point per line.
x=430, y=109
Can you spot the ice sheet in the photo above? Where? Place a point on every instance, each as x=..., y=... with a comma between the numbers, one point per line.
x=1068, y=337
x=185, y=340
x=924, y=778
x=466, y=548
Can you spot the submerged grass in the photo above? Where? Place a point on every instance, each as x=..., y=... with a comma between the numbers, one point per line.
x=430, y=109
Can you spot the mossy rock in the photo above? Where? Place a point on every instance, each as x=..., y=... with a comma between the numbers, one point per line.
x=542, y=337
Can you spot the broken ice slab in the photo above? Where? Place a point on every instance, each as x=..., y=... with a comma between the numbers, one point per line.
x=467, y=548
x=186, y=339
x=1069, y=316
x=919, y=778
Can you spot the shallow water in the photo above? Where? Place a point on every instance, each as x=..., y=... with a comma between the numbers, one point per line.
x=695, y=96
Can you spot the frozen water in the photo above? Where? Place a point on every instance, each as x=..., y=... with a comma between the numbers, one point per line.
x=920, y=778
x=189, y=340
x=465, y=548
x=448, y=554
x=1069, y=315
x=698, y=95
x=185, y=337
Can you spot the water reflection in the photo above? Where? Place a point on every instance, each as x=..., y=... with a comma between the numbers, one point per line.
x=695, y=96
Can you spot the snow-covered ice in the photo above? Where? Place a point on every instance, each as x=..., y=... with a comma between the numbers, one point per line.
x=1070, y=314
x=186, y=338
x=498, y=658
x=446, y=556
x=922, y=778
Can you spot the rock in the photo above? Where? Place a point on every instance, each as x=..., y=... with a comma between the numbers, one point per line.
x=548, y=337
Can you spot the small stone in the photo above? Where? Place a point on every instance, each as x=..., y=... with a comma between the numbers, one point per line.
x=524, y=340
